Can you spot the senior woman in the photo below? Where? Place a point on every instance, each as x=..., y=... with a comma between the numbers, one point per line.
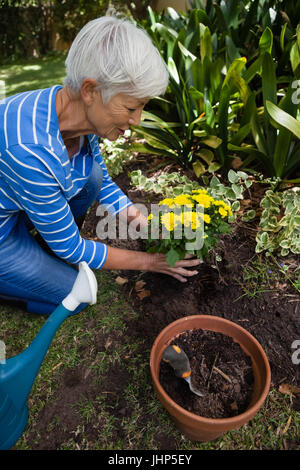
x=51, y=169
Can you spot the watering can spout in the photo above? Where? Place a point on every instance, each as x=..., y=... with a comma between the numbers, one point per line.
x=18, y=373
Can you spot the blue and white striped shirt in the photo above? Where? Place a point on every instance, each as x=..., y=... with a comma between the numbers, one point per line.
x=38, y=177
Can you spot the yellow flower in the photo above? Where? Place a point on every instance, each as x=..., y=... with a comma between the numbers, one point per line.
x=203, y=199
x=150, y=216
x=205, y=217
x=183, y=200
x=168, y=202
x=222, y=211
x=225, y=206
x=190, y=218
x=168, y=221
x=199, y=191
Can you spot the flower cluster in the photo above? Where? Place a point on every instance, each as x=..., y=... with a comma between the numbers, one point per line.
x=186, y=219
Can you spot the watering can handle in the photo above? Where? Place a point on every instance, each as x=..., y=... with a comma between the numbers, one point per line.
x=84, y=290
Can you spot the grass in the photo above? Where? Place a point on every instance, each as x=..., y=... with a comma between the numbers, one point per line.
x=261, y=276
x=148, y=425
x=32, y=74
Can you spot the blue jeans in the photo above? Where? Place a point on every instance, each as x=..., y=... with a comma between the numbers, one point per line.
x=27, y=272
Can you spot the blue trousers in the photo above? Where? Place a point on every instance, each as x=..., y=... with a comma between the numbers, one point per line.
x=28, y=273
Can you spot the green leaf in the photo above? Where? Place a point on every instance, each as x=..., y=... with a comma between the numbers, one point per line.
x=198, y=75
x=148, y=149
x=240, y=136
x=235, y=68
x=236, y=206
x=173, y=70
x=198, y=168
x=269, y=88
x=266, y=41
x=232, y=176
x=257, y=131
x=295, y=57
x=205, y=44
x=223, y=121
x=172, y=257
x=282, y=34
x=254, y=69
x=214, y=167
x=186, y=52
x=283, y=118
x=212, y=141
x=206, y=155
x=264, y=237
x=269, y=85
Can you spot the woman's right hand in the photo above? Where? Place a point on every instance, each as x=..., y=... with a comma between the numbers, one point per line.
x=155, y=262
x=180, y=272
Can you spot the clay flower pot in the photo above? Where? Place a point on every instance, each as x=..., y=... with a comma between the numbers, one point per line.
x=195, y=427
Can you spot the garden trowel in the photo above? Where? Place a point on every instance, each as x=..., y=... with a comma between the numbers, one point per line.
x=177, y=358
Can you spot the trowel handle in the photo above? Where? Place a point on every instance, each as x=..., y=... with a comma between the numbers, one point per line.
x=177, y=358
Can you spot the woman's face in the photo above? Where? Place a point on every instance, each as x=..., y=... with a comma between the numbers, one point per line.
x=113, y=119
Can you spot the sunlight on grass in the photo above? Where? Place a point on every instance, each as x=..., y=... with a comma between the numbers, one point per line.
x=32, y=75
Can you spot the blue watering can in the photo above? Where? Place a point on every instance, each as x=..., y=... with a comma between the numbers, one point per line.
x=17, y=374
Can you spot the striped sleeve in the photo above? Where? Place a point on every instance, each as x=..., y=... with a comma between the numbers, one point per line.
x=40, y=196
x=110, y=196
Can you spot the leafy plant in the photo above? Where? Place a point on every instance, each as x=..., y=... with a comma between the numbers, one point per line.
x=171, y=185
x=189, y=223
x=114, y=155
x=279, y=223
x=168, y=185
x=274, y=126
x=203, y=51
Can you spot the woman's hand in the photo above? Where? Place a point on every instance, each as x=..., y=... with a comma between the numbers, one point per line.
x=159, y=264
x=155, y=262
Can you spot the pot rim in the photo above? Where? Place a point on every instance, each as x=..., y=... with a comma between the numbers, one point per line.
x=246, y=415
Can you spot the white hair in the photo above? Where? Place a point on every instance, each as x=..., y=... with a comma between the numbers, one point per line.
x=119, y=56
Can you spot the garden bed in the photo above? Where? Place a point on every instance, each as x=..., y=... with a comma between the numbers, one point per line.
x=272, y=316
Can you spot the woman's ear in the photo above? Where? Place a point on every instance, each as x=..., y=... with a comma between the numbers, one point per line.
x=88, y=91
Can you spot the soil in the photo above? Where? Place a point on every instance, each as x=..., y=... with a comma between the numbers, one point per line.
x=221, y=371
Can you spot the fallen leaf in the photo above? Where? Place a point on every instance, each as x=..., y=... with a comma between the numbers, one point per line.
x=286, y=427
x=288, y=388
x=245, y=202
x=108, y=343
x=121, y=280
x=55, y=367
x=139, y=285
x=143, y=293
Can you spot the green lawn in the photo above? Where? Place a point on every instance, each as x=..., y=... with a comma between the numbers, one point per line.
x=32, y=75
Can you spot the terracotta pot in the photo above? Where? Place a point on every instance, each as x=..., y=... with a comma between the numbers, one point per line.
x=198, y=428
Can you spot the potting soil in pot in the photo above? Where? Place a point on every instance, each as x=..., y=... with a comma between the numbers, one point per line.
x=220, y=370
